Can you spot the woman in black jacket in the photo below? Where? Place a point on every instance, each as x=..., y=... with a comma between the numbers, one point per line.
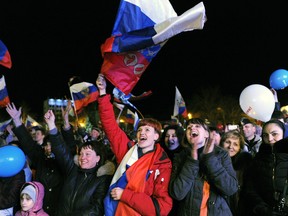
x=268, y=172
x=84, y=190
x=202, y=175
x=233, y=141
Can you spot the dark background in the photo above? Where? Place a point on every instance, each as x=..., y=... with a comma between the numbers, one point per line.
x=241, y=44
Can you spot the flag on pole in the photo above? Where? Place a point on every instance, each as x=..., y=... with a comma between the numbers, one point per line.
x=140, y=30
x=30, y=122
x=4, y=98
x=120, y=107
x=136, y=121
x=129, y=117
x=179, y=106
x=83, y=94
x=5, y=58
x=132, y=118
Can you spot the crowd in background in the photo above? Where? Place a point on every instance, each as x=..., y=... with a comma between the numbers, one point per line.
x=166, y=169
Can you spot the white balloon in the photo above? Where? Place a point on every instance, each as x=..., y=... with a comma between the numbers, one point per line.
x=257, y=101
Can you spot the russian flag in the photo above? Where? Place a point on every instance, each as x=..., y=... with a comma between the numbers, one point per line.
x=140, y=30
x=4, y=98
x=30, y=122
x=83, y=94
x=179, y=106
x=5, y=58
x=129, y=117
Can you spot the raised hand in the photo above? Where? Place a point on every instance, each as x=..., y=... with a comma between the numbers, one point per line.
x=14, y=113
x=49, y=118
x=65, y=114
x=209, y=146
x=101, y=84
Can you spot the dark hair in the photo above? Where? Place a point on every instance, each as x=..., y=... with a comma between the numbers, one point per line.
x=152, y=123
x=40, y=129
x=96, y=146
x=277, y=114
x=178, y=129
x=273, y=121
x=194, y=121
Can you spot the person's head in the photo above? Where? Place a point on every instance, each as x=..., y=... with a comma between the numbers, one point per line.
x=249, y=128
x=148, y=133
x=197, y=132
x=273, y=131
x=214, y=132
x=277, y=114
x=233, y=142
x=90, y=154
x=172, y=136
x=47, y=146
x=32, y=132
x=95, y=133
x=39, y=135
x=28, y=197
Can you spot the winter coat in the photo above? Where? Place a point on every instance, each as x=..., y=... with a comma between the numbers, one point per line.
x=187, y=181
x=155, y=200
x=83, y=191
x=47, y=170
x=10, y=191
x=37, y=209
x=253, y=145
x=241, y=162
x=266, y=178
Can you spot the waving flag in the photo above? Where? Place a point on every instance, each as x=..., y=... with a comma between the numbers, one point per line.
x=140, y=30
x=30, y=122
x=132, y=118
x=120, y=107
x=179, y=106
x=136, y=121
x=4, y=98
x=5, y=58
x=83, y=94
x=129, y=117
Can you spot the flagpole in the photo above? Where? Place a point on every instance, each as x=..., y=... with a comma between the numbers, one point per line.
x=74, y=107
x=140, y=113
x=118, y=117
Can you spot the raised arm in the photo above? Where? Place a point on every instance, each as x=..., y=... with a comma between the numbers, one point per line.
x=117, y=137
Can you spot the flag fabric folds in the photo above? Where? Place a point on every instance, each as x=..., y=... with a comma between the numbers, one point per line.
x=132, y=118
x=83, y=93
x=5, y=58
x=179, y=106
x=136, y=121
x=140, y=30
x=129, y=117
x=4, y=98
x=30, y=122
x=120, y=107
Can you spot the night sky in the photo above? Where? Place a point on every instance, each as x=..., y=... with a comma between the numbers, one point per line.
x=241, y=44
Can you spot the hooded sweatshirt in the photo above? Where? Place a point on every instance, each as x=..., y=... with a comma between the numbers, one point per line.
x=37, y=209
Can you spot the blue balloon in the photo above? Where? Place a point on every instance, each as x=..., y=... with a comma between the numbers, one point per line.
x=279, y=79
x=12, y=160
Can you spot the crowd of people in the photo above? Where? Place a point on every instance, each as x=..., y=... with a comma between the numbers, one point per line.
x=172, y=169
